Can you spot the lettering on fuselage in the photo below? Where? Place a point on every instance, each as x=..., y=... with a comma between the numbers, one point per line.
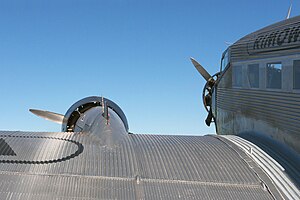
x=276, y=40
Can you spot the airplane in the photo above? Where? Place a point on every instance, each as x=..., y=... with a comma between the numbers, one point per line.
x=253, y=101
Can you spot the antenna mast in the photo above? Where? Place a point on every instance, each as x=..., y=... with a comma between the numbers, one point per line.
x=289, y=11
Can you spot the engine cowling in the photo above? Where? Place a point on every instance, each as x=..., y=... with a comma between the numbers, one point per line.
x=78, y=114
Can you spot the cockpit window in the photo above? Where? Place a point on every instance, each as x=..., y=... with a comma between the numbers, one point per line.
x=225, y=60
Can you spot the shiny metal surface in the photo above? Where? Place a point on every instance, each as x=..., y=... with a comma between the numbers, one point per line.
x=275, y=109
x=278, y=39
x=83, y=105
x=274, y=169
x=201, y=70
x=97, y=158
x=265, y=110
x=51, y=116
x=77, y=166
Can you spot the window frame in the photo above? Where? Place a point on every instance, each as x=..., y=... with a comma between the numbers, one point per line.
x=294, y=75
x=233, y=81
x=248, y=77
x=267, y=75
x=225, y=58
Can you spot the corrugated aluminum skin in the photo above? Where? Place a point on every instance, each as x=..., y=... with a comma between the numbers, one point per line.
x=275, y=170
x=244, y=49
x=76, y=166
x=280, y=106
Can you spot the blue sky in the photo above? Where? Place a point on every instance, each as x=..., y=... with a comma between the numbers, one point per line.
x=133, y=52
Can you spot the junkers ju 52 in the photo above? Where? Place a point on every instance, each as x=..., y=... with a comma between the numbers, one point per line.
x=254, y=101
x=257, y=90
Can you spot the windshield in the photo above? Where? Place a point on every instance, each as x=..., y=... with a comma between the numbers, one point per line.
x=225, y=60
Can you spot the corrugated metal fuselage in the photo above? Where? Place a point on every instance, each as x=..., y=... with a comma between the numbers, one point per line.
x=270, y=107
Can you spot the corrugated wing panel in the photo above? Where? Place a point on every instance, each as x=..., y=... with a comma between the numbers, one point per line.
x=194, y=190
x=191, y=158
x=78, y=166
x=20, y=186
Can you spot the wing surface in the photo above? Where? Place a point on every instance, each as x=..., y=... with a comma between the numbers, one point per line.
x=36, y=165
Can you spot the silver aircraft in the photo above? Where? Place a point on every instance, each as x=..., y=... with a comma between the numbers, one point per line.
x=254, y=101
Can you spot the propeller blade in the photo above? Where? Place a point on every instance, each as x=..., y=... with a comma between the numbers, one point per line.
x=201, y=69
x=51, y=116
x=209, y=118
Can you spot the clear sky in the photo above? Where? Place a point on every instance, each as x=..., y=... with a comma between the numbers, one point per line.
x=136, y=53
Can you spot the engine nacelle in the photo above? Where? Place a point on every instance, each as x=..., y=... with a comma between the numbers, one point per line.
x=81, y=111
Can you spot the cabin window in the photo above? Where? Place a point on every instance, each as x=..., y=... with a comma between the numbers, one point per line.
x=237, y=76
x=253, y=75
x=296, y=74
x=274, y=75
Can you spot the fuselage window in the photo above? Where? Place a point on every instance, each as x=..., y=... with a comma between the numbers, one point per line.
x=274, y=75
x=296, y=73
x=253, y=75
x=237, y=76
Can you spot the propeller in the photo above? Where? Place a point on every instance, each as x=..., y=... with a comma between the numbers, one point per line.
x=207, y=91
x=51, y=116
x=201, y=69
